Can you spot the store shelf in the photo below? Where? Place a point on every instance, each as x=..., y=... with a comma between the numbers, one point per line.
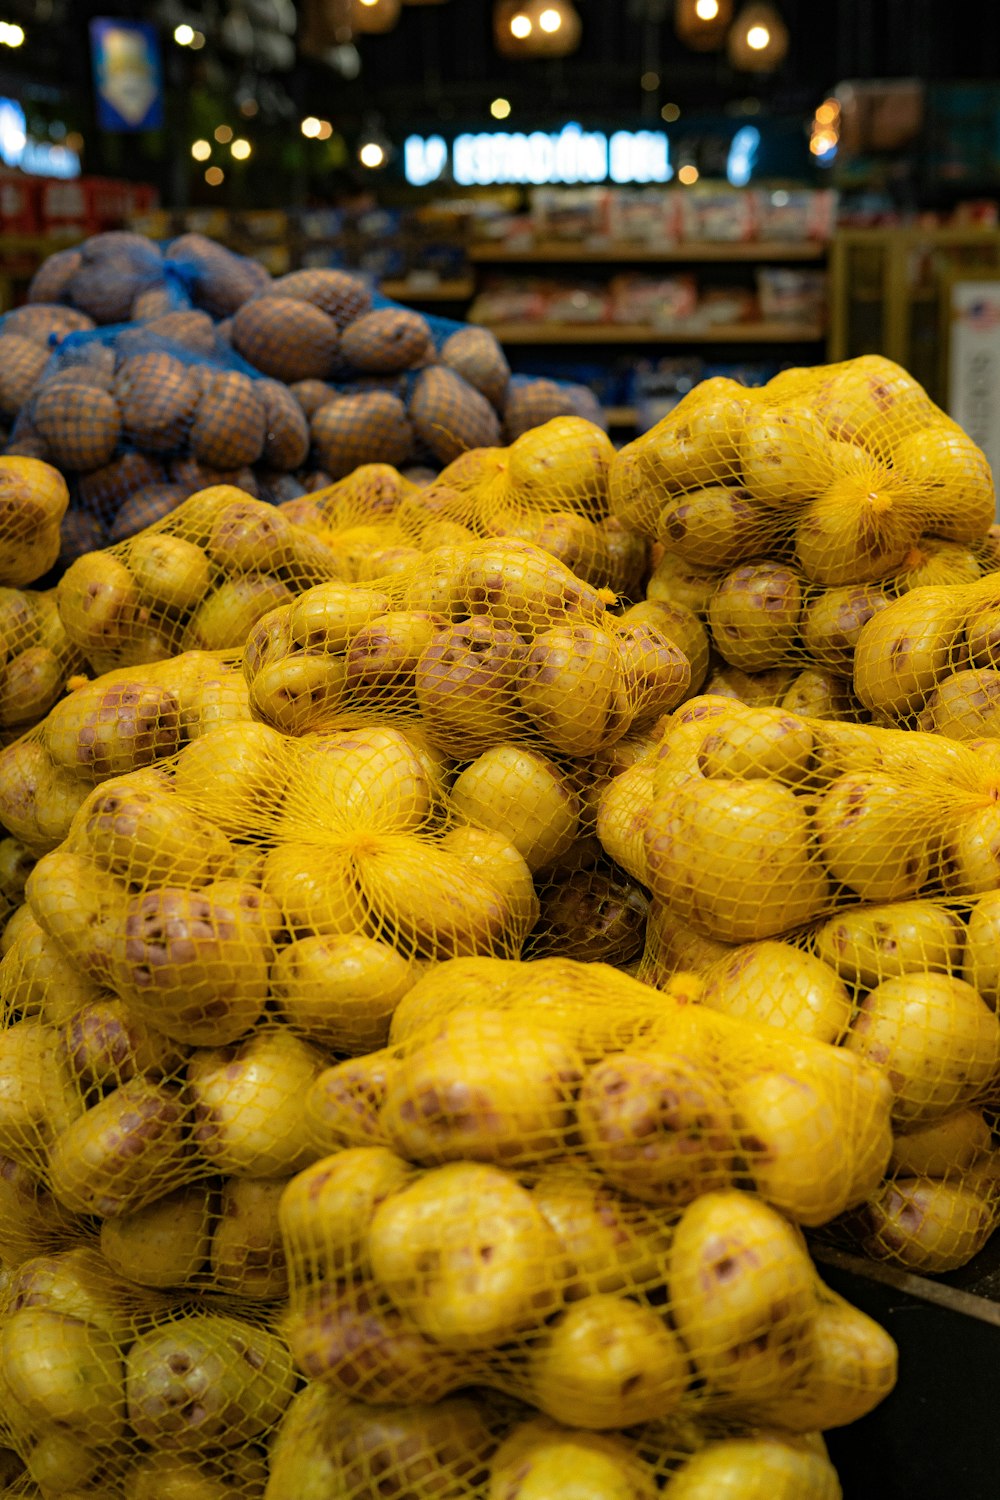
x=621, y=416
x=557, y=251
x=458, y=289
x=639, y=333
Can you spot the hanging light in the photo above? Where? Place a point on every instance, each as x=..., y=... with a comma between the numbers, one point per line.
x=702, y=24
x=758, y=40
x=374, y=17
x=536, y=28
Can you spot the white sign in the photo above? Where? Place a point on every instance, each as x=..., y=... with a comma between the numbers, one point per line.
x=37, y=157
x=974, y=364
x=570, y=155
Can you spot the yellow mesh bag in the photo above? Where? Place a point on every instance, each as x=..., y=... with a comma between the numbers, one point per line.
x=789, y=515
x=358, y=520
x=929, y=660
x=488, y=642
x=36, y=658
x=550, y=488
x=33, y=501
x=196, y=580
x=118, y=722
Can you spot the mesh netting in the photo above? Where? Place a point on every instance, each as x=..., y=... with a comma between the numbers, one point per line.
x=33, y=500
x=37, y=658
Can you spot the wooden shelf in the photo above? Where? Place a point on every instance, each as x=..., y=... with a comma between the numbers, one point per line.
x=638, y=333
x=692, y=252
x=458, y=289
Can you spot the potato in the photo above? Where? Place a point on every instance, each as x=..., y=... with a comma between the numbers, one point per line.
x=344, y=1105
x=460, y=1096
x=622, y=814
x=479, y=359
x=227, y=773
x=751, y=743
x=735, y=859
x=249, y=1104
x=299, y=693
x=352, y=1336
x=573, y=685
x=566, y=456
x=756, y=689
x=943, y=1148
x=868, y=944
x=877, y=836
x=612, y=1241
x=754, y=615
x=474, y=982
x=928, y=1225
x=820, y=695
x=80, y=906
x=29, y=685
x=905, y=650
x=678, y=624
x=965, y=706
x=715, y=527
x=858, y=530
x=38, y=979
x=38, y=1097
x=795, y=1146
x=608, y=1362
x=224, y=617
x=325, y=1212
x=164, y=1244
x=833, y=621
x=627, y=555
x=102, y=1044
x=385, y=652
x=539, y=1460
x=99, y=602
x=525, y=589
x=777, y=985
x=673, y=947
x=177, y=1476
x=369, y=779
x=674, y=581
x=341, y=991
x=170, y=573
x=30, y=1218
x=76, y=1284
x=205, y=1381
x=524, y=796
x=146, y=836
x=195, y=966
x=467, y=1255
x=316, y=890
x=853, y=1368
x=954, y=479
x=982, y=634
x=63, y=1372
x=981, y=967
x=785, y=455
x=124, y=1152
x=756, y=1468
x=741, y=1295
x=449, y=415
x=657, y=673
x=657, y=1124
x=466, y=680
x=593, y=915
x=108, y=728
x=937, y=1040
x=248, y=1259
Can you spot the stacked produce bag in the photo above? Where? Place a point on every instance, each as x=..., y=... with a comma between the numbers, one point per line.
x=465, y=939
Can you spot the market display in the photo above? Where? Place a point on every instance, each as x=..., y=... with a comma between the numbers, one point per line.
x=468, y=934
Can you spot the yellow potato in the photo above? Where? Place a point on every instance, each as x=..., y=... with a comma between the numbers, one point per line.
x=466, y=682
x=99, y=602
x=385, y=652
x=300, y=692
x=106, y=728
x=982, y=635
x=955, y=483
x=364, y=780
x=63, y=1464
x=174, y=1476
x=341, y=991
x=540, y=1460
x=232, y=773
x=877, y=837
x=572, y=685
x=944, y=1148
x=344, y=1105
x=778, y=985
x=833, y=620
x=673, y=947
x=613, y=1242
x=476, y=983
x=858, y=530
x=38, y=1096
x=622, y=814
x=937, y=1040
x=794, y=1144
x=715, y=527
x=627, y=554
x=80, y=906
x=754, y=615
x=929, y=1225
x=325, y=1212
x=146, y=836
x=786, y=457
x=565, y=456
x=608, y=1362
x=483, y=1088
x=965, y=706
x=748, y=743
x=39, y=980
x=316, y=890
x=820, y=695
x=249, y=1104
x=525, y=589
x=676, y=582
x=657, y=1124
x=906, y=649
x=247, y=1255
x=756, y=1468
x=853, y=1368
x=657, y=674
x=171, y=574
x=224, y=617
x=525, y=797
x=678, y=624
x=164, y=1244
x=29, y=685
x=465, y=1252
x=757, y=689
x=30, y=1218
x=735, y=859
x=75, y=1284
x=103, y=1044
x=123, y=1152
x=741, y=1295
x=63, y=1372
x=981, y=968
x=867, y=944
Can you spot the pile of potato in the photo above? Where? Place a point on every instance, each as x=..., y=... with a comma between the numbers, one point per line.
x=790, y=515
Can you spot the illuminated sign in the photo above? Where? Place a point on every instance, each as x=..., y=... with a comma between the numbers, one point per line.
x=570, y=155
x=36, y=157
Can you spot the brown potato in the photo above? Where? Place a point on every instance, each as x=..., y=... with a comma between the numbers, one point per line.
x=594, y=916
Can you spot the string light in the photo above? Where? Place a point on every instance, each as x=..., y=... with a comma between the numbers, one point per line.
x=214, y=176
x=550, y=21
x=197, y=41
x=500, y=109
x=249, y=108
x=688, y=175
x=520, y=26
x=371, y=155
x=325, y=130
x=824, y=134
x=241, y=149
x=11, y=35
x=650, y=82
x=758, y=38
x=706, y=10
x=201, y=150
x=223, y=134
x=311, y=127
x=183, y=34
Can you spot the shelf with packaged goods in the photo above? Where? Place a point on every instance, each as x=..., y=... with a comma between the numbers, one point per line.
x=456, y=289
x=692, y=253
x=638, y=333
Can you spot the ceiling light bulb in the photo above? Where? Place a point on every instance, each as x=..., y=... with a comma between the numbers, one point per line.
x=706, y=10
x=201, y=150
x=241, y=149
x=520, y=26
x=688, y=175
x=371, y=154
x=758, y=38
x=184, y=34
x=310, y=126
x=550, y=20
x=500, y=109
